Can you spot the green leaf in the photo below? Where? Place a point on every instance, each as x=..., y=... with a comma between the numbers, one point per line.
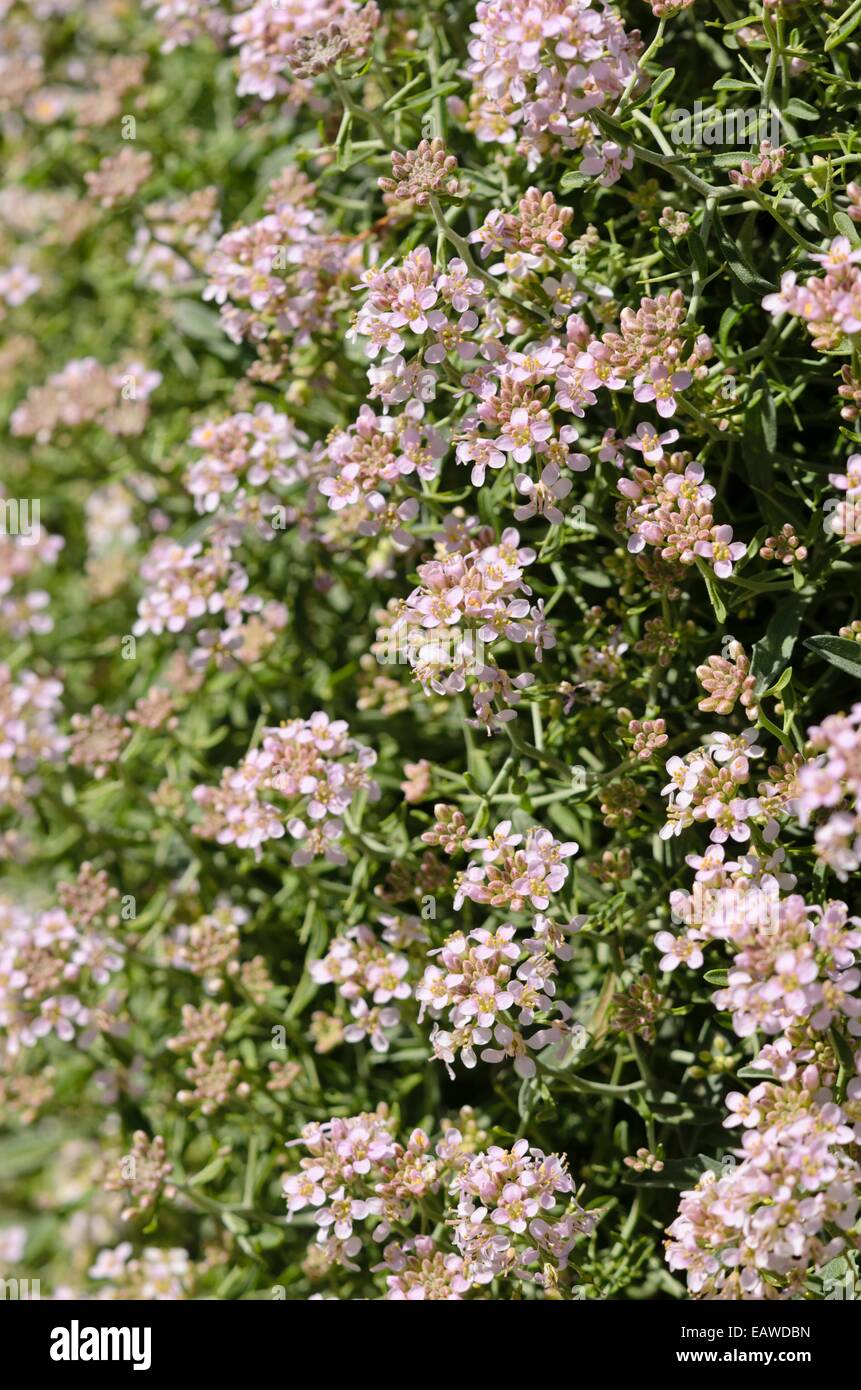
x=672, y=250
x=717, y=602
x=842, y=28
x=394, y=102
x=759, y=439
x=698, y=251
x=573, y=179
x=745, y=274
x=772, y=652
x=661, y=83
x=844, y=1051
x=838, y=651
x=193, y=320
x=733, y=84
x=197, y=321
x=613, y=128
x=846, y=227
x=212, y=1170
x=799, y=110
x=423, y=99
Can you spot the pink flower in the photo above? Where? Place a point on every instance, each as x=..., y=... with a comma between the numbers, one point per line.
x=834, y=998
x=597, y=368
x=678, y=950
x=452, y=338
x=684, y=778
x=722, y=550
x=651, y=444
x=731, y=819
x=608, y=161
x=444, y=607
x=412, y=310
x=743, y=1110
x=342, y=1213
x=660, y=387
x=564, y=293
x=500, y=841
x=839, y=254
x=523, y=434
x=542, y=495
x=793, y=971
x=785, y=300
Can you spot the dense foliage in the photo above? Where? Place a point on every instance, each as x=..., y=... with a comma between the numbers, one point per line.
x=430, y=762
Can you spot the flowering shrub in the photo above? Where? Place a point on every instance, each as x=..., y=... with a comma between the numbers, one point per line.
x=430, y=754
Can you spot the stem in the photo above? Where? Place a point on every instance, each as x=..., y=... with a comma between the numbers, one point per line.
x=638, y=72
x=359, y=112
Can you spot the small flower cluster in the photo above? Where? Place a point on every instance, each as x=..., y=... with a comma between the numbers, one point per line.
x=97, y=740
x=84, y=392
x=414, y=298
x=469, y=599
x=189, y=582
x=372, y=979
x=284, y=275
x=670, y=508
x=348, y=38
x=508, y=1208
x=314, y=767
x=508, y=1213
x=185, y=21
x=429, y=170
x=516, y=872
x=175, y=239
x=646, y=736
x=668, y=9
x=708, y=785
x=727, y=679
x=252, y=448
x=831, y=781
x=29, y=709
x=755, y=172
x=794, y=965
x=527, y=239
x=264, y=33
x=209, y=948
x=23, y=607
x=304, y=38
x=376, y=453
x=54, y=966
x=537, y=69
x=493, y=985
x=356, y=1169
x=844, y=519
x=157, y=1275
x=652, y=350
x=785, y=547
x=142, y=1175
x=119, y=176
x=17, y=285
x=830, y=305
x=760, y=1228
